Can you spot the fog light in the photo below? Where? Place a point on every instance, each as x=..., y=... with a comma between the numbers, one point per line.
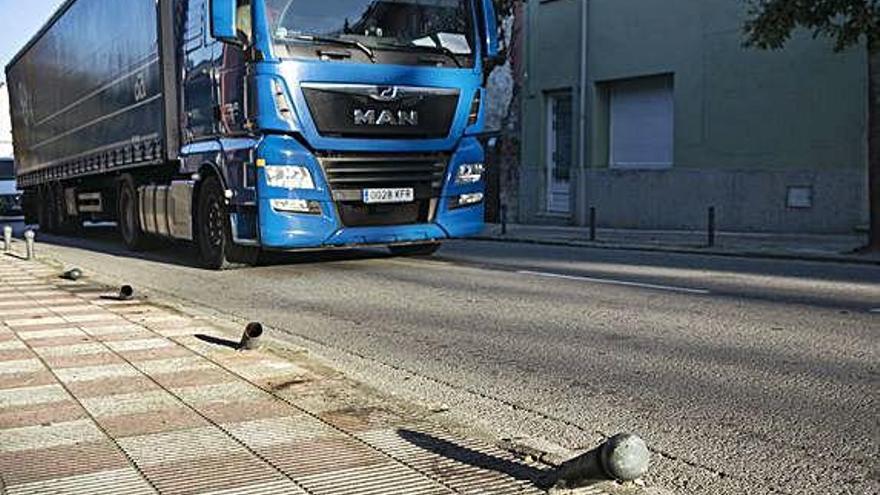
x=470, y=199
x=296, y=206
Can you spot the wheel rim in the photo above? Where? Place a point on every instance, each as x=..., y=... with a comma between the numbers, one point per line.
x=214, y=225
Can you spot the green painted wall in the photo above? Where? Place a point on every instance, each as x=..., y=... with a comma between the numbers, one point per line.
x=736, y=109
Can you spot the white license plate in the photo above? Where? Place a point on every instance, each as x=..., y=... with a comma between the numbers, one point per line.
x=389, y=195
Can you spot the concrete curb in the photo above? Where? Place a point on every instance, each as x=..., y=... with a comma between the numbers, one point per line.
x=841, y=258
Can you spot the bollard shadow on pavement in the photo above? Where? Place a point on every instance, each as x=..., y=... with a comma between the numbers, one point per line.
x=465, y=455
x=210, y=339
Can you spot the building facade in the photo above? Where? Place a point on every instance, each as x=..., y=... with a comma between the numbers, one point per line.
x=653, y=111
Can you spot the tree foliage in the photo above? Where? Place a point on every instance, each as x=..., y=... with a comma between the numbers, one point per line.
x=848, y=22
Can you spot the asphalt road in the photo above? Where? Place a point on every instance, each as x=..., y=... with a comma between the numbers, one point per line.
x=744, y=375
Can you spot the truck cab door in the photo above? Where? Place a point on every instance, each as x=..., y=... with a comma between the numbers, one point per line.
x=198, y=72
x=231, y=64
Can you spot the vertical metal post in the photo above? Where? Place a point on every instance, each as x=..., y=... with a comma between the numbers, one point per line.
x=592, y=223
x=710, y=234
x=503, y=219
x=7, y=238
x=29, y=241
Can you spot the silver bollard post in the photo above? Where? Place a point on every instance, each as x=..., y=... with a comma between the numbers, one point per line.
x=7, y=238
x=29, y=237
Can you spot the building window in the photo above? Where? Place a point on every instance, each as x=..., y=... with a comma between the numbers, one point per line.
x=641, y=123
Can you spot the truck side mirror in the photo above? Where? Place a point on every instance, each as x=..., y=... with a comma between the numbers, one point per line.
x=490, y=30
x=223, y=25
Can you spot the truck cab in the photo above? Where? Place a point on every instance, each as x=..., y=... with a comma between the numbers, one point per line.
x=340, y=123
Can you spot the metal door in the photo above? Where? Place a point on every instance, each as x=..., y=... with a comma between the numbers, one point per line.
x=559, y=152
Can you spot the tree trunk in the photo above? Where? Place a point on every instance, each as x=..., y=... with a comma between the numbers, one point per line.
x=874, y=144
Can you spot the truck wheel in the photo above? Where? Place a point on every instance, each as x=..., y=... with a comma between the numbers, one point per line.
x=415, y=249
x=63, y=224
x=214, y=238
x=44, y=215
x=48, y=212
x=128, y=215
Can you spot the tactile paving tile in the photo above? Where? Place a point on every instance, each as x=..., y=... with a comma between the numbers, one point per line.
x=263, y=433
x=30, y=396
x=380, y=479
x=137, y=403
x=117, y=481
x=46, y=436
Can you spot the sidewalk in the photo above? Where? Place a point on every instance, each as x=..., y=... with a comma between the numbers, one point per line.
x=102, y=396
x=835, y=248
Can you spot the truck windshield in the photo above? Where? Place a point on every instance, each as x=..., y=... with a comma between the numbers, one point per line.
x=417, y=26
x=7, y=171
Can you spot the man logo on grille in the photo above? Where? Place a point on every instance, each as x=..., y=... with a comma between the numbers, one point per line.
x=386, y=93
x=388, y=118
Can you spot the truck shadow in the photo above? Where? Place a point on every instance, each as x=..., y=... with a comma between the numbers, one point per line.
x=105, y=239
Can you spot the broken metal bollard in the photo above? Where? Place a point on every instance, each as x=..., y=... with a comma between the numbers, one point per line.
x=624, y=457
x=250, y=339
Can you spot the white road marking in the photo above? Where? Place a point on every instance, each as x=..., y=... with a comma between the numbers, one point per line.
x=609, y=281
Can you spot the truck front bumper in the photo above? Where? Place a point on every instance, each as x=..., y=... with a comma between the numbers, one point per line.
x=281, y=230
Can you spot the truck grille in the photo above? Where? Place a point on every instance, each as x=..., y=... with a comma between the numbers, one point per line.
x=349, y=175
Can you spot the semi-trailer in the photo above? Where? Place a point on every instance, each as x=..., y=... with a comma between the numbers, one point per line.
x=252, y=125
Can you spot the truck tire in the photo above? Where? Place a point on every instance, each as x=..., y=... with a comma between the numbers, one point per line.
x=213, y=236
x=44, y=210
x=426, y=249
x=128, y=215
x=64, y=224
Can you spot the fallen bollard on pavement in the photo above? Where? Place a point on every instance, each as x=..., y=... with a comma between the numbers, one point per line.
x=72, y=274
x=623, y=457
x=126, y=292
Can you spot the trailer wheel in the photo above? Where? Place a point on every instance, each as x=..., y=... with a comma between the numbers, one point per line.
x=415, y=249
x=127, y=215
x=44, y=207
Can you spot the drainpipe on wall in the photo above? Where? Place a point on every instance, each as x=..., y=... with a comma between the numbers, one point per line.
x=581, y=193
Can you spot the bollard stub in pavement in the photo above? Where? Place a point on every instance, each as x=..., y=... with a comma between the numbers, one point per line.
x=126, y=292
x=250, y=339
x=72, y=274
x=625, y=457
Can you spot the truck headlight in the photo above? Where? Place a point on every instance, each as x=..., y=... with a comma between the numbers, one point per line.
x=289, y=177
x=469, y=173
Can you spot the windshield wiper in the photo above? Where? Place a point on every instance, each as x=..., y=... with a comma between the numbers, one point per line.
x=430, y=49
x=338, y=41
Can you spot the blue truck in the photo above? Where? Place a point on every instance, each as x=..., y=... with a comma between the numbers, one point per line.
x=253, y=125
